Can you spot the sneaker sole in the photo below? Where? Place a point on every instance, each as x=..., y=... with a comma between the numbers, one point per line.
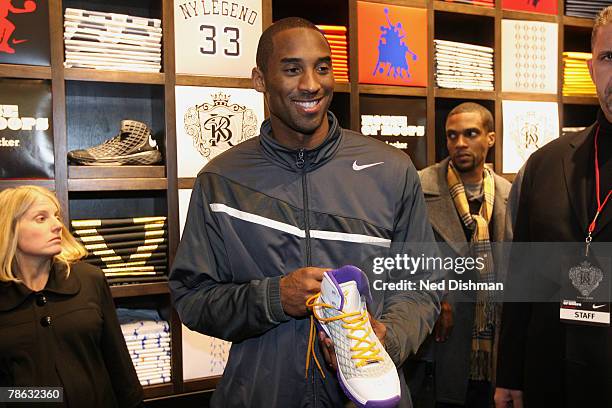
x=348, y=391
x=388, y=403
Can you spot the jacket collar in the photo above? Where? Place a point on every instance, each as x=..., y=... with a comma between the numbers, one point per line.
x=12, y=294
x=432, y=177
x=579, y=174
x=443, y=214
x=576, y=162
x=313, y=158
x=606, y=127
x=605, y=148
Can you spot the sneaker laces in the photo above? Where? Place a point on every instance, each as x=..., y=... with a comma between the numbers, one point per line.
x=109, y=142
x=114, y=139
x=353, y=322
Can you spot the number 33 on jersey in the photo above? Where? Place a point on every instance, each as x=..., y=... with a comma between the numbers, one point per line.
x=216, y=37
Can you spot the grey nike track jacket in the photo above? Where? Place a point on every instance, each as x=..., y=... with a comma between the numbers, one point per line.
x=259, y=211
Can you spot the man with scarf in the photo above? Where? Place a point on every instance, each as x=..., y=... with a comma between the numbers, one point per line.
x=565, y=196
x=466, y=203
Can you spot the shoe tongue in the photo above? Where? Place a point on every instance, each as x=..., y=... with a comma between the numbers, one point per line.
x=352, y=297
x=353, y=303
x=331, y=293
x=126, y=125
x=344, y=296
x=133, y=126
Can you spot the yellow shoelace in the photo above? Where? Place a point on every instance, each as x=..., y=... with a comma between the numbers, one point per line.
x=353, y=322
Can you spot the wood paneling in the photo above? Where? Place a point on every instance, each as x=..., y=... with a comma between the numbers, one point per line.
x=392, y=90
x=102, y=172
x=79, y=74
x=140, y=289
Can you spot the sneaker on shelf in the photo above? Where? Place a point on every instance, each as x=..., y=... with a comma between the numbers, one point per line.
x=133, y=145
x=365, y=371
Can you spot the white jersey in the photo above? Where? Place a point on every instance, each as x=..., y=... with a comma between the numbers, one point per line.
x=216, y=37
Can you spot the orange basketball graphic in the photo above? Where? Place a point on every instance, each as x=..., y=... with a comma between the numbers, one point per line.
x=392, y=44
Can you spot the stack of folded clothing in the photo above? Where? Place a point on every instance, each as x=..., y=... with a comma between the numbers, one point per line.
x=585, y=8
x=336, y=36
x=463, y=66
x=576, y=78
x=111, y=41
x=484, y=3
x=128, y=250
x=148, y=340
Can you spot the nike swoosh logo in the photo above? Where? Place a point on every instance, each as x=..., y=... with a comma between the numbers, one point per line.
x=358, y=167
x=598, y=306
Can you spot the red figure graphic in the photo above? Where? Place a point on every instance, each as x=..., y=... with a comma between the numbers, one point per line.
x=6, y=27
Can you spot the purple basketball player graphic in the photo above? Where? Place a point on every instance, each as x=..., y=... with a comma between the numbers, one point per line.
x=392, y=51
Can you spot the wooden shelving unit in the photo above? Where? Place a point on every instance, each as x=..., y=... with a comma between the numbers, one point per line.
x=186, y=182
x=15, y=183
x=105, y=184
x=159, y=390
x=580, y=100
x=463, y=8
x=79, y=74
x=342, y=87
x=91, y=172
x=203, y=384
x=523, y=96
x=71, y=87
x=464, y=94
x=137, y=289
x=523, y=15
x=577, y=22
x=24, y=71
x=392, y=90
x=203, y=80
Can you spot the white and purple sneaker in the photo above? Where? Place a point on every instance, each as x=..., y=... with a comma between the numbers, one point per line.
x=365, y=371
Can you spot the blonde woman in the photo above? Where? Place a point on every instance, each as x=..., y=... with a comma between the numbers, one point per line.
x=58, y=325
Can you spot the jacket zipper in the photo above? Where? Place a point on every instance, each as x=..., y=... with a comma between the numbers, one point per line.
x=300, y=159
x=300, y=165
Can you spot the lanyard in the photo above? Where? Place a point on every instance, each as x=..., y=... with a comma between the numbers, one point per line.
x=600, y=204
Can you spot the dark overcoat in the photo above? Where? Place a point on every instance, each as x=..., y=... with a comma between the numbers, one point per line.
x=556, y=364
x=452, y=358
x=67, y=335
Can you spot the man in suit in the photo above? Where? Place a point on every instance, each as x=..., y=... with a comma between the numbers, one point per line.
x=466, y=203
x=543, y=362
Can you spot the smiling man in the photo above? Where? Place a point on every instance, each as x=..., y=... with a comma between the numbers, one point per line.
x=270, y=215
x=466, y=203
x=298, y=85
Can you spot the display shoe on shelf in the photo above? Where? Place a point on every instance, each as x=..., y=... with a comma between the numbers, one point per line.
x=133, y=145
x=365, y=371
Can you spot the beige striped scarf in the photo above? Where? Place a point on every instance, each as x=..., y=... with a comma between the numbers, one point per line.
x=484, y=320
